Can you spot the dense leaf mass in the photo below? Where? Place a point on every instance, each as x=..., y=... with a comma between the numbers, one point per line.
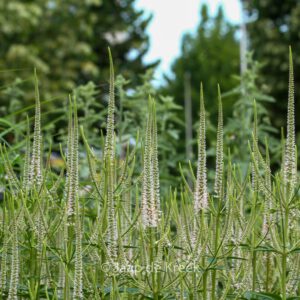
x=114, y=235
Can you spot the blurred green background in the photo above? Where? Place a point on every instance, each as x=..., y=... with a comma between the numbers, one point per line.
x=66, y=42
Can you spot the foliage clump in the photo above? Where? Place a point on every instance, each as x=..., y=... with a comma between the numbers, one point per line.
x=118, y=237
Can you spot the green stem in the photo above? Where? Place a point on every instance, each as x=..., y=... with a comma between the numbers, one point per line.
x=152, y=262
x=114, y=294
x=268, y=263
x=214, y=272
x=102, y=275
x=204, y=263
x=69, y=251
x=284, y=253
x=66, y=287
x=205, y=285
x=254, y=259
x=33, y=268
x=283, y=286
x=195, y=294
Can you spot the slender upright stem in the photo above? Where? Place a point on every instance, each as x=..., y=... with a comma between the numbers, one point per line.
x=216, y=243
x=152, y=262
x=204, y=262
x=268, y=265
x=284, y=253
x=254, y=266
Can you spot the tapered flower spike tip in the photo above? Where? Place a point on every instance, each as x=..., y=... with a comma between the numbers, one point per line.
x=146, y=171
x=110, y=126
x=202, y=107
x=200, y=193
x=111, y=73
x=255, y=129
x=76, y=144
x=290, y=163
x=26, y=168
x=255, y=148
x=155, y=160
x=109, y=156
x=68, y=193
x=71, y=188
x=219, y=150
x=36, y=159
x=150, y=190
x=78, y=278
x=255, y=124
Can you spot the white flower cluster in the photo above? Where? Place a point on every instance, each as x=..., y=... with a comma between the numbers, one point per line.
x=150, y=189
x=200, y=193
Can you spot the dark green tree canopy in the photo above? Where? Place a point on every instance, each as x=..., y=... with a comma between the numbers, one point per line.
x=273, y=26
x=210, y=56
x=67, y=40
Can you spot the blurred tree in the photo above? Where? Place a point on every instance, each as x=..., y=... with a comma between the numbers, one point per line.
x=273, y=26
x=211, y=56
x=67, y=41
x=238, y=129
